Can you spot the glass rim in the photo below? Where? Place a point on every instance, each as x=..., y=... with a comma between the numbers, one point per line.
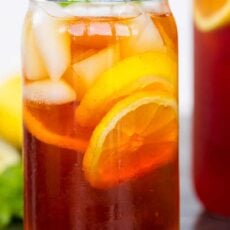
x=95, y=1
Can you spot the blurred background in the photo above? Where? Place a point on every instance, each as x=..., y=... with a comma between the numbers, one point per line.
x=11, y=20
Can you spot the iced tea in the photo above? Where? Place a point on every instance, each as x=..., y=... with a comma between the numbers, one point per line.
x=212, y=112
x=100, y=116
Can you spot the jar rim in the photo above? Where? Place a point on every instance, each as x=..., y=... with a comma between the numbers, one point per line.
x=89, y=1
x=71, y=8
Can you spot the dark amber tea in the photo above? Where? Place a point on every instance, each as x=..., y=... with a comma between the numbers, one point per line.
x=212, y=105
x=100, y=116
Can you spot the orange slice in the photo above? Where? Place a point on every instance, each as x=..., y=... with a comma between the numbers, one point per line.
x=137, y=135
x=129, y=75
x=212, y=14
x=44, y=134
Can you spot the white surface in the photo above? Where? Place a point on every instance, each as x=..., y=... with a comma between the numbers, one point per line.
x=183, y=10
x=11, y=19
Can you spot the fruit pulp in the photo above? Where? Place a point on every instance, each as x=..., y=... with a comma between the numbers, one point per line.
x=64, y=190
x=211, y=136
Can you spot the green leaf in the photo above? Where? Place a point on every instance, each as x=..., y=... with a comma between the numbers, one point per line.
x=66, y=3
x=69, y=2
x=11, y=204
x=5, y=216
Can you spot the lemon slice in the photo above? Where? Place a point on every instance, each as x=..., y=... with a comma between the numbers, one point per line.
x=211, y=14
x=121, y=80
x=137, y=135
x=43, y=133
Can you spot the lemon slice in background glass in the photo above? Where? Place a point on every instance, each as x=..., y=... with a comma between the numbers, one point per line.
x=211, y=14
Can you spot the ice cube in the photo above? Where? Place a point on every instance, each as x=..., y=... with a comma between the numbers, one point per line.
x=53, y=9
x=53, y=42
x=122, y=30
x=89, y=10
x=92, y=67
x=100, y=29
x=102, y=10
x=49, y=92
x=33, y=65
x=144, y=36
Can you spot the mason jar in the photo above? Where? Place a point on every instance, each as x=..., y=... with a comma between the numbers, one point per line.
x=100, y=115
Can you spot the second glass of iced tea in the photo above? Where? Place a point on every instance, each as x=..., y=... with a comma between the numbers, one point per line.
x=212, y=105
x=100, y=116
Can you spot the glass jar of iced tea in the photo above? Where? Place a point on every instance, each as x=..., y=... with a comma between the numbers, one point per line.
x=100, y=115
x=212, y=105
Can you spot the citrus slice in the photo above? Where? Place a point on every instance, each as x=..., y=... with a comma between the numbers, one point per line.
x=42, y=132
x=211, y=14
x=47, y=104
x=137, y=135
x=121, y=80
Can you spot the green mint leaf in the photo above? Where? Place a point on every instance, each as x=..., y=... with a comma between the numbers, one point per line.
x=69, y=2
